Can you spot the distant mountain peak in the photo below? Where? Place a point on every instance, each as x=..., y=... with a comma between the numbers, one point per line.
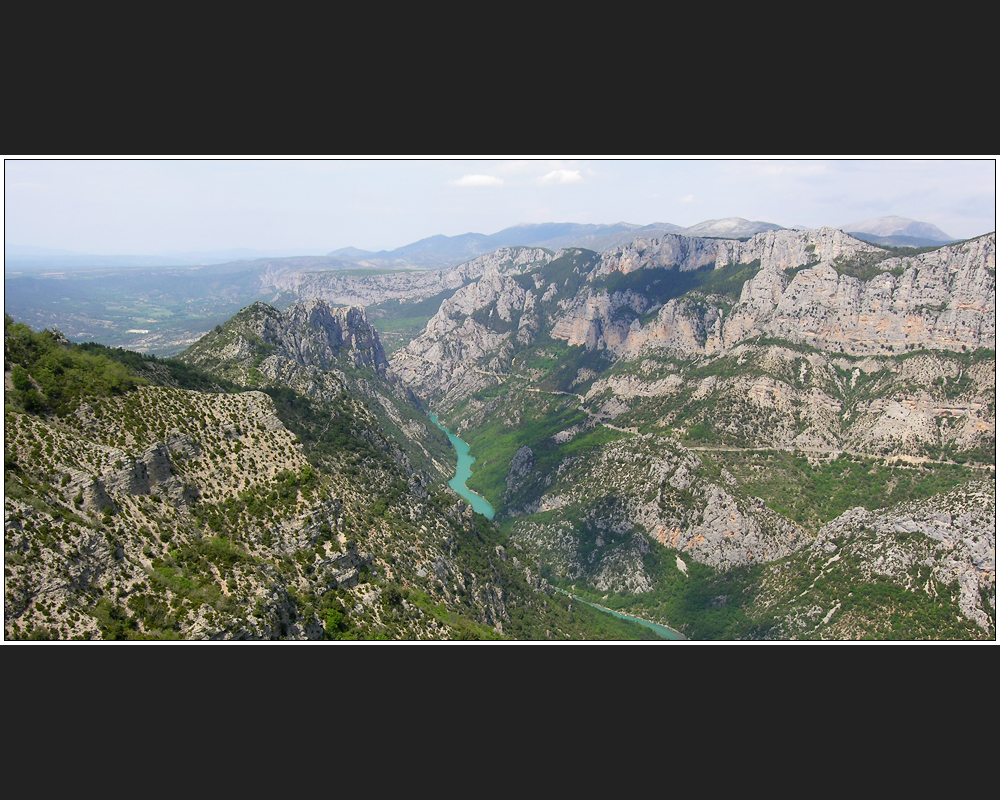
x=899, y=226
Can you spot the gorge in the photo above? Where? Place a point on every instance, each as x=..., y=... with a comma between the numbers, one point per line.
x=788, y=436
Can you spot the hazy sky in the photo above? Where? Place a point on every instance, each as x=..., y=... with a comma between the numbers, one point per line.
x=154, y=207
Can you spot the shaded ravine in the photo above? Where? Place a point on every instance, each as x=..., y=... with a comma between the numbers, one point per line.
x=463, y=472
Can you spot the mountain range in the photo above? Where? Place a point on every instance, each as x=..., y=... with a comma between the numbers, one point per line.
x=434, y=252
x=783, y=435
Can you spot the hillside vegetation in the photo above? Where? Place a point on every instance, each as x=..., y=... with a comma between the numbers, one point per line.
x=136, y=509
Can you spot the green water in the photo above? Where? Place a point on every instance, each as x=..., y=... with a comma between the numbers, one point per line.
x=659, y=630
x=463, y=473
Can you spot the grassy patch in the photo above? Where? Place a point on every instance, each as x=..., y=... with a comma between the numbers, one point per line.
x=50, y=374
x=814, y=494
x=864, y=265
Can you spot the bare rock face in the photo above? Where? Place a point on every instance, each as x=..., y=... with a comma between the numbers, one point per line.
x=315, y=335
x=520, y=467
x=945, y=299
x=779, y=250
x=805, y=291
x=681, y=252
x=307, y=347
x=309, y=335
x=467, y=344
x=680, y=326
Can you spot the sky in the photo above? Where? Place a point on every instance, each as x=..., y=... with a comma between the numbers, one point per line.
x=295, y=207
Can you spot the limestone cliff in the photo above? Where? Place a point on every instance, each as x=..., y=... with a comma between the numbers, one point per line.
x=942, y=300
x=469, y=341
x=823, y=288
x=679, y=252
x=313, y=336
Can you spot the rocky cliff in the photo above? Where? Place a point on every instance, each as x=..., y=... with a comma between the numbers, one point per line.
x=642, y=307
x=584, y=309
x=313, y=336
x=581, y=381
x=677, y=252
x=469, y=341
x=823, y=288
x=942, y=300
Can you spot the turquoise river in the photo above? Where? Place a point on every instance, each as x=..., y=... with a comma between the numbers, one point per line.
x=463, y=472
x=479, y=503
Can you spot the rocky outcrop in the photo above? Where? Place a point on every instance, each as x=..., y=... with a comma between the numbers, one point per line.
x=635, y=491
x=316, y=336
x=780, y=250
x=310, y=337
x=952, y=536
x=467, y=344
x=520, y=468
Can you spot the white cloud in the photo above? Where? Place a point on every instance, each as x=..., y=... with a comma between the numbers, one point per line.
x=689, y=198
x=477, y=180
x=561, y=176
